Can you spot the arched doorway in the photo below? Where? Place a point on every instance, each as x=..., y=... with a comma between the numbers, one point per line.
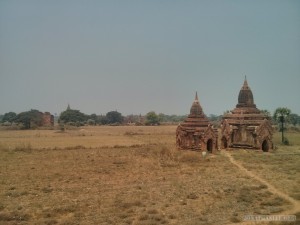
x=265, y=146
x=209, y=145
x=224, y=143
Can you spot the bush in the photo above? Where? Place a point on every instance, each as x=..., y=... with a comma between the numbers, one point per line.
x=6, y=123
x=73, y=124
x=91, y=122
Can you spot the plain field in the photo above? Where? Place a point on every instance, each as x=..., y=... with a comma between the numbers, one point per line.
x=135, y=175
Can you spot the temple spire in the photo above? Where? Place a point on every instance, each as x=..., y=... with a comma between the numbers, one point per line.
x=196, y=108
x=245, y=82
x=245, y=96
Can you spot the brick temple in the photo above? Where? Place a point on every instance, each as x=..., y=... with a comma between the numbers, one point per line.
x=47, y=119
x=196, y=132
x=246, y=126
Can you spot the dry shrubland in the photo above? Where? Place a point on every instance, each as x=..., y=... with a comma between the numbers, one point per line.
x=133, y=175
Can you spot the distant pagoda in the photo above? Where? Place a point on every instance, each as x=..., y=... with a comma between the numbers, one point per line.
x=246, y=126
x=196, y=132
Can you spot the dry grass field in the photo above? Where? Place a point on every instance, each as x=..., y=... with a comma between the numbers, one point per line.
x=135, y=175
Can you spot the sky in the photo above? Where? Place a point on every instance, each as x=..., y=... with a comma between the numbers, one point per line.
x=136, y=56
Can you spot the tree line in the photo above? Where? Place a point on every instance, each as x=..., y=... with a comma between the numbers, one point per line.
x=32, y=118
x=26, y=120
x=73, y=117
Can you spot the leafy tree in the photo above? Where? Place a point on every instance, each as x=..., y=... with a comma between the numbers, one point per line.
x=24, y=118
x=30, y=119
x=213, y=117
x=152, y=118
x=266, y=112
x=132, y=118
x=72, y=116
x=281, y=115
x=215, y=120
x=163, y=118
x=114, y=117
x=93, y=117
x=102, y=119
x=91, y=122
x=175, y=118
x=9, y=117
x=294, y=119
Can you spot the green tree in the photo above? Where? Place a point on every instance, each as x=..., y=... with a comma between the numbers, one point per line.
x=281, y=116
x=114, y=117
x=215, y=120
x=175, y=118
x=131, y=118
x=266, y=112
x=294, y=119
x=30, y=119
x=102, y=119
x=213, y=117
x=93, y=116
x=152, y=118
x=9, y=117
x=72, y=116
x=91, y=122
x=163, y=118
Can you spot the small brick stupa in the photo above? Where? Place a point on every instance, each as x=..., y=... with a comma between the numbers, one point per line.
x=246, y=126
x=196, y=132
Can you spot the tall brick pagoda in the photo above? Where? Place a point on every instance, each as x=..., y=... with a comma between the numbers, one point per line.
x=246, y=126
x=196, y=132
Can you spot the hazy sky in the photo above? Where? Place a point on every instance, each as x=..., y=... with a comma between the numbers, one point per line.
x=143, y=55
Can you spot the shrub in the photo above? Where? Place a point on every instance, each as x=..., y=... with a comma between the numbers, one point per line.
x=91, y=122
x=6, y=123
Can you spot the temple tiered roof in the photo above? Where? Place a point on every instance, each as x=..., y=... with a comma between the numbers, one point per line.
x=196, y=132
x=245, y=97
x=196, y=118
x=245, y=111
x=240, y=127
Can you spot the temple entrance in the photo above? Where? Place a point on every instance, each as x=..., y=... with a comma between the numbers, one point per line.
x=224, y=143
x=265, y=146
x=209, y=145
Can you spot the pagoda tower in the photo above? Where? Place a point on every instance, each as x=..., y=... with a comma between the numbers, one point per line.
x=246, y=126
x=196, y=132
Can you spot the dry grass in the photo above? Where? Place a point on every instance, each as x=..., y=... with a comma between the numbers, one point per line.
x=88, y=137
x=125, y=175
x=280, y=167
